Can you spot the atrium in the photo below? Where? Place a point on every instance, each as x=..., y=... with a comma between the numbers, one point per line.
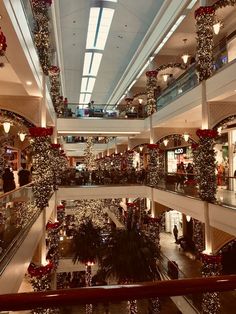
x=118, y=156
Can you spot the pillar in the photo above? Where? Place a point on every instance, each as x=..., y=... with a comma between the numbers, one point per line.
x=43, y=113
x=150, y=89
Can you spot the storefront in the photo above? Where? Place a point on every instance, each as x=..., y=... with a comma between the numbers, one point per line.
x=222, y=160
x=172, y=218
x=177, y=155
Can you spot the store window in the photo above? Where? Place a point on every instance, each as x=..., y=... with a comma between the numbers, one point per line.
x=176, y=156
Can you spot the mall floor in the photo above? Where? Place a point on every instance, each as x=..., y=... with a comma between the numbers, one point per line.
x=189, y=266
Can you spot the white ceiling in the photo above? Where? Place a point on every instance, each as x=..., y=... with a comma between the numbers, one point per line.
x=131, y=20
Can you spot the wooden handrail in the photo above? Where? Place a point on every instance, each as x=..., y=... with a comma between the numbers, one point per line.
x=69, y=297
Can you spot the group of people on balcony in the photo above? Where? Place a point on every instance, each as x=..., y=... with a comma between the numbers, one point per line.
x=184, y=175
x=24, y=177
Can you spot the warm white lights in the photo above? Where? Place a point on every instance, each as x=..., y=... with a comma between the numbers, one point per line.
x=6, y=126
x=141, y=148
x=185, y=57
x=99, y=25
x=216, y=27
x=219, y=130
x=29, y=83
x=165, y=77
x=140, y=100
x=22, y=136
x=166, y=141
x=188, y=218
x=186, y=137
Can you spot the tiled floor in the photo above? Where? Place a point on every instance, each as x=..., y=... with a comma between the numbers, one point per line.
x=191, y=267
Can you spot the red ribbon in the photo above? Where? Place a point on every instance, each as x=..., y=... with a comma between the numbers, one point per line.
x=207, y=133
x=204, y=10
x=38, y=131
x=151, y=73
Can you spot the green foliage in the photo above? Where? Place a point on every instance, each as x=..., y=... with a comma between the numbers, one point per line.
x=130, y=256
x=87, y=243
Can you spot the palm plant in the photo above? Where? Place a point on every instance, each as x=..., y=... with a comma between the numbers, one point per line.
x=130, y=256
x=87, y=245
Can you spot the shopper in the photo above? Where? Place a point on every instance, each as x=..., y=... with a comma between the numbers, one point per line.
x=8, y=180
x=175, y=232
x=24, y=175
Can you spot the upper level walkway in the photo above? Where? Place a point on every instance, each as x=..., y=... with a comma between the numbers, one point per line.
x=222, y=213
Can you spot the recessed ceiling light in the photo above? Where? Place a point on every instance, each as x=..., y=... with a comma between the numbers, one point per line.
x=29, y=83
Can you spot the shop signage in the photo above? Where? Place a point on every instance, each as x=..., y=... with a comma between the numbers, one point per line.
x=180, y=150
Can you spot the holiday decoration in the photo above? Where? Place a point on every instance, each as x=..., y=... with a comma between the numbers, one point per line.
x=155, y=164
x=89, y=158
x=171, y=65
x=204, y=22
x=3, y=46
x=150, y=89
x=90, y=209
x=58, y=164
x=205, y=165
x=40, y=276
x=129, y=159
x=153, y=229
x=42, y=170
x=198, y=235
x=211, y=266
x=42, y=32
x=55, y=90
x=223, y=3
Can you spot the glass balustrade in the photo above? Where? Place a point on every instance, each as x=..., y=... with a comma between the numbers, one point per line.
x=17, y=213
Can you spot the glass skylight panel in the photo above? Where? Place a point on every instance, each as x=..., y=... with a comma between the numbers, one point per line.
x=111, y=1
x=87, y=63
x=84, y=84
x=90, y=85
x=97, y=57
x=104, y=27
x=92, y=27
x=84, y=98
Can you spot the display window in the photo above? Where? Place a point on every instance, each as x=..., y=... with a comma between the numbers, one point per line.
x=177, y=155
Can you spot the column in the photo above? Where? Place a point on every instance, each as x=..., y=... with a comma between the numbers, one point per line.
x=150, y=89
x=211, y=266
x=43, y=113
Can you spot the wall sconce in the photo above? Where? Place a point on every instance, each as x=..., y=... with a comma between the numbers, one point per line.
x=166, y=141
x=217, y=26
x=22, y=136
x=185, y=56
x=188, y=218
x=140, y=100
x=186, y=137
x=6, y=126
x=165, y=77
x=141, y=148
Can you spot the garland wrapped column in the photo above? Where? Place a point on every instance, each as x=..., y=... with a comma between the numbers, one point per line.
x=42, y=32
x=204, y=23
x=42, y=170
x=89, y=158
x=55, y=90
x=198, y=235
x=205, y=164
x=155, y=164
x=150, y=88
x=211, y=266
x=58, y=164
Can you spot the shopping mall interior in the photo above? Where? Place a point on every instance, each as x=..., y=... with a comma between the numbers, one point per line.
x=118, y=156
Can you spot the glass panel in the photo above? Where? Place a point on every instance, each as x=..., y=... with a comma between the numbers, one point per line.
x=183, y=84
x=17, y=212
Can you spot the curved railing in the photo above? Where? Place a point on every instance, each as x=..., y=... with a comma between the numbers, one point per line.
x=17, y=213
x=61, y=298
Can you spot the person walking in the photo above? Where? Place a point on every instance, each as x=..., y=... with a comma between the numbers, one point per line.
x=175, y=232
x=8, y=180
x=24, y=175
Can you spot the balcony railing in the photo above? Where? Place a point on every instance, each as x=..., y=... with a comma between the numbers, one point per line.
x=17, y=213
x=105, y=295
